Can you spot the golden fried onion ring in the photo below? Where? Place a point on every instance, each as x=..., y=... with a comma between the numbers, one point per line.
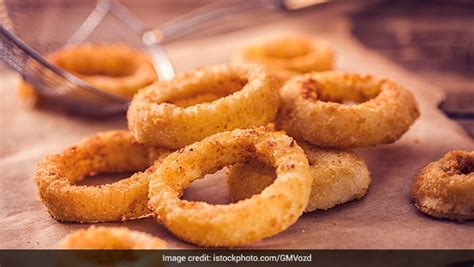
x=316, y=108
x=247, y=97
x=339, y=176
x=113, y=68
x=288, y=56
x=246, y=221
x=107, y=152
x=445, y=188
x=110, y=238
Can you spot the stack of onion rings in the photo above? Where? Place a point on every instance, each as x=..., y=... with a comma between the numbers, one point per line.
x=339, y=176
x=110, y=152
x=289, y=56
x=314, y=108
x=445, y=188
x=110, y=238
x=246, y=221
x=113, y=68
x=210, y=115
x=247, y=97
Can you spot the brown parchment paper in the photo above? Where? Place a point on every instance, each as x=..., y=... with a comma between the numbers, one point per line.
x=384, y=218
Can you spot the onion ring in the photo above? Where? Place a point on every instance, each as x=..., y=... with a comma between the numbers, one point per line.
x=113, y=68
x=445, y=188
x=314, y=108
x=339, y=176
x=288, y=56
x=111, y=152
x=258, y=217
x=110, y=238
x=155, y=115
x=194, y=100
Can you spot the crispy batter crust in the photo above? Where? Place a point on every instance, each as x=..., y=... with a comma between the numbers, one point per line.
x=246, y=221
x=288, y=56
x=315, y=107
x=113, y=68
x=339, y=176
x=110, y=238
x=247, y=97
x=107, y=152
x=445, y=188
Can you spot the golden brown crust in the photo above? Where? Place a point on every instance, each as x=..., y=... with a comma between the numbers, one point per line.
x=247, y=97
x=339, y=176
x=445, y=188
x=107, y=152
x=113, y=68
x=315, y=107
x=288, y=56
x=110, y=238
x=244, y=222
